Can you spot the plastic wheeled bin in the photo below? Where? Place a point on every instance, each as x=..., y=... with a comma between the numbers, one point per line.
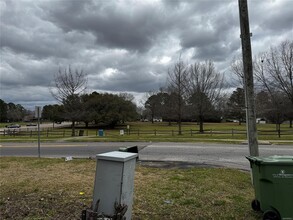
x=272, y=179
x=101, y=133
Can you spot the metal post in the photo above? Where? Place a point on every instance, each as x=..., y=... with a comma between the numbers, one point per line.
x=248, y=78
x=37, y=114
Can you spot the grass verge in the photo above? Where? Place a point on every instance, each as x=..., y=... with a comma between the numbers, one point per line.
x=54, y=189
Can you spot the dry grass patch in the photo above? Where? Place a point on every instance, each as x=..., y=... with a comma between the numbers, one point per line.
x=50, y=189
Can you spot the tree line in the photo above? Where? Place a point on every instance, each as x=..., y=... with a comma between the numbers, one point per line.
x=10, y=112
x=194, y=92
x=101, y=109
x=197, y=92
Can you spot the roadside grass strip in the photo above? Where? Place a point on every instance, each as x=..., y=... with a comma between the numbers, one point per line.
x=33, y=188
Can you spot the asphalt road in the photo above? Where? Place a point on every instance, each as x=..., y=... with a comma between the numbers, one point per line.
x=64, y=149
x=181, y=154
x=227, y=155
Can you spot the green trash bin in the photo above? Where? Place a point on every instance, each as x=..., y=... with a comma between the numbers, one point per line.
x=273, y=185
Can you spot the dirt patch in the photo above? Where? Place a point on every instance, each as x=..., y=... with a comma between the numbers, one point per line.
x=174, y=164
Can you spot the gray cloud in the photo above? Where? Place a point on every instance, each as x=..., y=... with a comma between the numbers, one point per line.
x=123, y=45
x=127, y=26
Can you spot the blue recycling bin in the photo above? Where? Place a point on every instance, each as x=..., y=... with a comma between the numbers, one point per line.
x=101, y=132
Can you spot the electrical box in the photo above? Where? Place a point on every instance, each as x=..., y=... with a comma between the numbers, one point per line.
x=114, y=181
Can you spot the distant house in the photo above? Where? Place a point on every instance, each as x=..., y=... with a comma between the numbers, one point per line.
x=261, y=121
x=158, y=119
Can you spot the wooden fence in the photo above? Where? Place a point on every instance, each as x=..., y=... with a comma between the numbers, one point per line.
x=43, y=132
x=211, y=132
x=85, y=132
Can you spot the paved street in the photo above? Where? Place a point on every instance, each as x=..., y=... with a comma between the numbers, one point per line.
x=64, y=149
x=228, y=155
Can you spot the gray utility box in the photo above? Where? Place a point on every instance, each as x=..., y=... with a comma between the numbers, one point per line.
x=114, y=181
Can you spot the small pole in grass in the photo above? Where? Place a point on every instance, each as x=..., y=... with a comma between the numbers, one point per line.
x=37, y=114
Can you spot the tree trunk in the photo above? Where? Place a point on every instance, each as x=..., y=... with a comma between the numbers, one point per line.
x=179, y=128
x=201, y=124
x=179, y=124
x=73, y=129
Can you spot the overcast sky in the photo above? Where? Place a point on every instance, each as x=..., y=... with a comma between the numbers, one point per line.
x=124, y=46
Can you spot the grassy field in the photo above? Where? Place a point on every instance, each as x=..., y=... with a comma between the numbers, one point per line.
x=54, y=189
x=158, y=132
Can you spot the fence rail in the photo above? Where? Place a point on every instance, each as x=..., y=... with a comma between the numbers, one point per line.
x=43, y=132
x=211, y=132
x=50, y=132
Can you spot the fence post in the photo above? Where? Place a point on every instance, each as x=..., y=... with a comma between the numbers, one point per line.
x=172, y=132
x=4, y=132
x=155, y=132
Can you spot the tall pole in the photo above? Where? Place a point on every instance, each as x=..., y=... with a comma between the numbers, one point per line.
x=248, y=78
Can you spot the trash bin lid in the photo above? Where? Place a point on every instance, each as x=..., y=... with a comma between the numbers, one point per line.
x=276, y=159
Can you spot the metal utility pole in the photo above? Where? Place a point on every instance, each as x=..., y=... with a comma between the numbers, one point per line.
x=248, y=78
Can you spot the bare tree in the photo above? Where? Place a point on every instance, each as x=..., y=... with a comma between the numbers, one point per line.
x=178, y=78
x=68, y=86
x=236, y=67
x=279, y=64
x=274, y=71
x=126, y=96
x=68, y=83
x=205, y=86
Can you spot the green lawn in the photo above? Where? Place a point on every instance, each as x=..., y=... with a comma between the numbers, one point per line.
x=34, y=188
x=158, y=132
